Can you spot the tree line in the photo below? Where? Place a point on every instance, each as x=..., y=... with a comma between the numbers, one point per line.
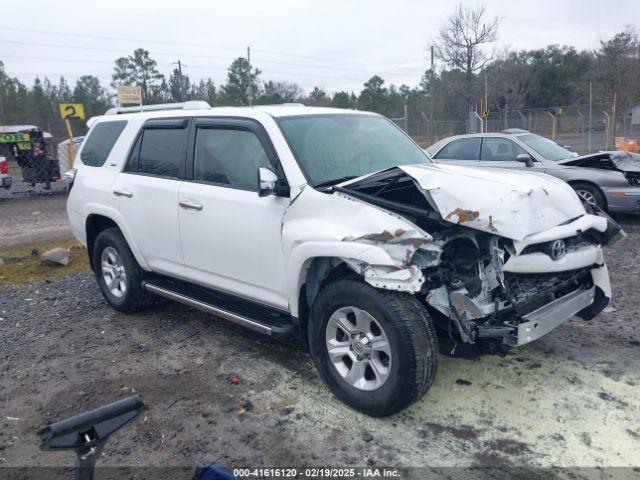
x=468, y=71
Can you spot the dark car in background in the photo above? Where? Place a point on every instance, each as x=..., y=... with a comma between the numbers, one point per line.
x=609, y=180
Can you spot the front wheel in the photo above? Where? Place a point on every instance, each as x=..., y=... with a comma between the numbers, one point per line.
x=590, y=194
x=377, y=350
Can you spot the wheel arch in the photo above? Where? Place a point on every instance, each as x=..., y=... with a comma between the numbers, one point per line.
x=301, y=258
x=319, y=271
x=574, y=183
x=96, y=223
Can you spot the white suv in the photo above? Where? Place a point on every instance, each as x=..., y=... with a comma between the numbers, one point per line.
x=334, y=225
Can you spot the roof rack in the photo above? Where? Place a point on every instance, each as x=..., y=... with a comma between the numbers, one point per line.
x=286, y=104
x=191, y=105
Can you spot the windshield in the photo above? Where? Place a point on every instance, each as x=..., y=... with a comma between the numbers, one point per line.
x=339, y=146
x=545, y=147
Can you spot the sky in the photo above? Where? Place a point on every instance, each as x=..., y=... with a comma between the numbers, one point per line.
x=333, y=44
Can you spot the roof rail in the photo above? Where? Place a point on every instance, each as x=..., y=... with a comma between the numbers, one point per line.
x=285, y=104
x=191, y=105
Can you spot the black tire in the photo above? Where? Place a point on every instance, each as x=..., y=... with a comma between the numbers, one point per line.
x=592, y=190
x=411, y=336
x=135, y=297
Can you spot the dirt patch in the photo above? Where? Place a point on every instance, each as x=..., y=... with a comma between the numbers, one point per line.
x=20, y=264
x=463, y=432
x=508, y=446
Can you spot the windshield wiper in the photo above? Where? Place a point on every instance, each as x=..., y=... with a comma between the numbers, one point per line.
x=335, y=181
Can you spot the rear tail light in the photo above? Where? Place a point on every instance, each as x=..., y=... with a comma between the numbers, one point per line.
x=70, y=177
x=4, y=169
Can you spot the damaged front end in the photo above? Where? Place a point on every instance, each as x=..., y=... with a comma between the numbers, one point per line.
x=488, y=277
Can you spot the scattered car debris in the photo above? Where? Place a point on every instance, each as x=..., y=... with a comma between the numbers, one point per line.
x=288, y=410
x=167, y=404
x=247, y=406
x=13, y=419
x=233, y=379
x=57, y=255
x=461, y=381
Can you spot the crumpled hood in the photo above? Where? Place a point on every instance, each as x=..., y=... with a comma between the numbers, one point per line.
x=625, y=161
x=503, y=202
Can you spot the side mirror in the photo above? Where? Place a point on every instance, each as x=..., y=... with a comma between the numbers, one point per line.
x=526, y=159
x=267, y=181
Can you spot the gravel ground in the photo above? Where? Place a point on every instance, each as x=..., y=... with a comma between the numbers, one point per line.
x=33, y=218
x=570, y=399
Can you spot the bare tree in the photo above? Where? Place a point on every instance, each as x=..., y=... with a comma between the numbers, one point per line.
x=508, y=79
x=461, y=41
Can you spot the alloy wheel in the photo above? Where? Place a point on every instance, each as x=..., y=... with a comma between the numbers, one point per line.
x=587, y=197
x=358, y=348
x=113, y=272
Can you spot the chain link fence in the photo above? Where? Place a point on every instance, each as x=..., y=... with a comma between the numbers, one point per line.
x=571, y=126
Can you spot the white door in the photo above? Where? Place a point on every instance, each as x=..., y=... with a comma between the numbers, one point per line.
x=231, y=237
x=148, y=190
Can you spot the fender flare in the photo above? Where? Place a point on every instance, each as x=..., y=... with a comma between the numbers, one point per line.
x=301, y=257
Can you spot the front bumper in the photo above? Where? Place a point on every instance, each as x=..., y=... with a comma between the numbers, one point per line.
x=6, y=181
x=550, y=316
x=623, y=200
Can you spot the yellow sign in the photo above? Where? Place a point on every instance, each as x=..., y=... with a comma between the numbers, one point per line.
x=14, y=137
x=71, y=110
x=485, y=114
x=129, y=94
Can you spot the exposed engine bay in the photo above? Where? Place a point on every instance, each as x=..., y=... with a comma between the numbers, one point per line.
x=479, y=285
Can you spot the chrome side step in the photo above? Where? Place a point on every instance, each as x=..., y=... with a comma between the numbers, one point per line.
x=206, y=307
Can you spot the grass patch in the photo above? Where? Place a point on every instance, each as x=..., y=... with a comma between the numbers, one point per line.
x=22, y=264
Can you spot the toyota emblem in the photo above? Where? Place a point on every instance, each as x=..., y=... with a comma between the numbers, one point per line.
x=557, y=249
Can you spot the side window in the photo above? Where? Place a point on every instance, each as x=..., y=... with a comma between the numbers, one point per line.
x=228, y=156
x=100, y=142
x=159, y=151
x=461, y=149
x=500, y=150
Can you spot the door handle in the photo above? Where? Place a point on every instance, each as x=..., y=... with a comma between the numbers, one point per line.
x=191, y=205
x=122, y=193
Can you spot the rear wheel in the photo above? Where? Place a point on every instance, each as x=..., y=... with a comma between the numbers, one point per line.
x=118, y=274
x=590, y=194
x=377, y=350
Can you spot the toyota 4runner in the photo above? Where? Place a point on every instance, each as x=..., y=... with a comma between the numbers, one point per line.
x=333, y=225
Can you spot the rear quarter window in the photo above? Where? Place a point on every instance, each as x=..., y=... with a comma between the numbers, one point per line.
x=101, y=139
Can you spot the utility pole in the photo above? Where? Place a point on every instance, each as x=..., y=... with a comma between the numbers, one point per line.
x=249, y=86
x=179, y=63
x=406, y=120
x=431, y=84
x=613, y=117
x=590, y=105
x=506, y=113
x=486, y=94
